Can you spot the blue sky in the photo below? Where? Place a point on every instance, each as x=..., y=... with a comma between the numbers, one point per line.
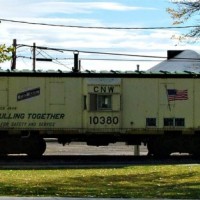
x=111, y=13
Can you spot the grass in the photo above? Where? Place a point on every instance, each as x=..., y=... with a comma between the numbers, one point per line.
x=159, y=181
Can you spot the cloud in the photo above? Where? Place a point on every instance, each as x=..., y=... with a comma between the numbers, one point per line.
x=151, y=42
x=119, y=41
x=43, y=8
x=82, y=7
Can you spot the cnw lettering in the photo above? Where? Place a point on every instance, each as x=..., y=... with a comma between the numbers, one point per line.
x=104, y=89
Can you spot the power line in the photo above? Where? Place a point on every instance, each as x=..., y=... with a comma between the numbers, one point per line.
x=118, y=60
x=113, y=59
x=94, y=52
x=54, y=60
x=99, y=27
x=114, y=54
x=99, y=59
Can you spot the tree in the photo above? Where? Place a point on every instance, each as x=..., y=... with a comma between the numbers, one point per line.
x=184, y=12
x=5, y=53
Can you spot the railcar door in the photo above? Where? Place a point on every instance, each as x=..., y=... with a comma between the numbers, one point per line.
x=102, y=105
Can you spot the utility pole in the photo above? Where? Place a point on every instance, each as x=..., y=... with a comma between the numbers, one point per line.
x=34, y=56
x=13, y=64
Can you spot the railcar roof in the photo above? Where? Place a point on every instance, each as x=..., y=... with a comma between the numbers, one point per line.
x=100, y=74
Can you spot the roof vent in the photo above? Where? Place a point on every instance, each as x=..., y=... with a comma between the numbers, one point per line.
x=172, y=53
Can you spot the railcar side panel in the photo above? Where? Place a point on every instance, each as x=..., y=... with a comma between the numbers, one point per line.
x=196, y=104
x=98, y=104
x=140, y=102
x=40, y=103
x=147, y=103
x=176, y=104
x=163, y=111
x=65, y=98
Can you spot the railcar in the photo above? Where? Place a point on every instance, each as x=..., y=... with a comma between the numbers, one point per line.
x=161, y=110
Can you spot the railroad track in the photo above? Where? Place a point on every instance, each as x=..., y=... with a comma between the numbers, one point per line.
x=90, y=161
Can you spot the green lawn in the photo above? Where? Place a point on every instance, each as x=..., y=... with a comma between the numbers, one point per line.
x=159, y=181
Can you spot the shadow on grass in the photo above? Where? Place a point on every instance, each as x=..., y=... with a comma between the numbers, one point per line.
x=144, y=185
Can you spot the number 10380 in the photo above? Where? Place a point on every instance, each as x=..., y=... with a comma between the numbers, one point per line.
x=103, y=120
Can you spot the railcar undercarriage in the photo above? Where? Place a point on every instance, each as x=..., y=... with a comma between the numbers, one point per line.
x=34, y=145
x=165, y=145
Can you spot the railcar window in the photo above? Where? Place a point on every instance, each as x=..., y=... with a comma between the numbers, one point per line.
x=179, y=122
x=168, y=121
x=150, y=121
x=174, y=122
x=100, y=102
x=104, y=102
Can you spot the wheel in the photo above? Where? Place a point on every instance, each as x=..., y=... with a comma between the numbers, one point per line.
x=158, y=147
x=35, y=146
x=196, y=147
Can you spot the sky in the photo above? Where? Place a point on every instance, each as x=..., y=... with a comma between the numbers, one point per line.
x=89, y=13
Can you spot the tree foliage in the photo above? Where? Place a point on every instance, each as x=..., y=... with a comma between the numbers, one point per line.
x=5, y=53
x=183, y=12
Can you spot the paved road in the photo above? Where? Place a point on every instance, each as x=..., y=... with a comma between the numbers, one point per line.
x=78, y=148
x=81, y=148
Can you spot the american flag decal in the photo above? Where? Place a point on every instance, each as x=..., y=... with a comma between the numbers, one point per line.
x=174, y=94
